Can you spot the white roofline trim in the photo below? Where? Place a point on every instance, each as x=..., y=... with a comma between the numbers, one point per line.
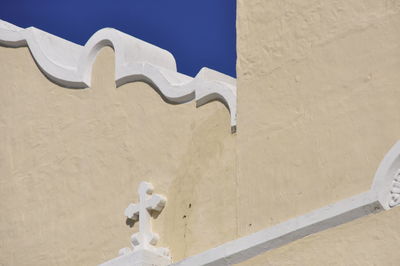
x=70, y=65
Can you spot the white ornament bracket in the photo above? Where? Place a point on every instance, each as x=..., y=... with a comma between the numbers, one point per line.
x=387, y=179
x=70, y=65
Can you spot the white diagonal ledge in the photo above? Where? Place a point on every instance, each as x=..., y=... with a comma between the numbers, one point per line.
x=70, y=65
x=383, y=195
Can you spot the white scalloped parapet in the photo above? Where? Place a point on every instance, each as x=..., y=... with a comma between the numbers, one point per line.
x=217, y=86
x=70, y=65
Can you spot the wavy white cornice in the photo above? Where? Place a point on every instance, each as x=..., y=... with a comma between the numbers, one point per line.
x=70, y=65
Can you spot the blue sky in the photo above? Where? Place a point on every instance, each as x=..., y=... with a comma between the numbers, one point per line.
x=198, y=33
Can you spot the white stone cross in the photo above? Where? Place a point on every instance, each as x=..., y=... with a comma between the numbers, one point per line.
x=150, y=205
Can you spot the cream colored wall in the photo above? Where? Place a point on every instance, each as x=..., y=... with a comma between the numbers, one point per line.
x=371, y=240
x=318, y=93
x=71, y=161
x=318, y=86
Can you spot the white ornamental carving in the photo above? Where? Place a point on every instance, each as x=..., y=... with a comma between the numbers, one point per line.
x=150, y=205
x=395, y=190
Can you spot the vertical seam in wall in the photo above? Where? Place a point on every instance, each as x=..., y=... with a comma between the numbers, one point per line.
x=236, y=189
x=236, y=134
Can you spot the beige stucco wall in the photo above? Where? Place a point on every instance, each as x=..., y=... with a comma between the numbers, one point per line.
x=369, y=241
x=318, y=91
x=71, y=161
x=318, y=86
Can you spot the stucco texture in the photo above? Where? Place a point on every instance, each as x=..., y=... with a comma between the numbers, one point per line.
x=71, y=161
x=318, y=90
x=371, y=240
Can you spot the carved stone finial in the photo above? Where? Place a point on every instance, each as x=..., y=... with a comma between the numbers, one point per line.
x=144, y=252
x=150, y=205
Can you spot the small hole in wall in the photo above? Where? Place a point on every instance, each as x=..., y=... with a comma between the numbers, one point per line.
x=190, y=205
x=184, y=216
x=250, y=224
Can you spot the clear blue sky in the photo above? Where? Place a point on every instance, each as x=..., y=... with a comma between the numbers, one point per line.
x=197, y=32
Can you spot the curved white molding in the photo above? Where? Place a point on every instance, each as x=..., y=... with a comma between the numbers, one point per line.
x=383, y=195
x=216, y=86
x=386, y=180
x=70, y=65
